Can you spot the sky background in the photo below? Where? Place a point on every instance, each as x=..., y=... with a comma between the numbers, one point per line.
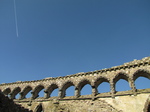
x=64, y=37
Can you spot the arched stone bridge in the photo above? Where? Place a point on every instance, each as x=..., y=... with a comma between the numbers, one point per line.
x=128, y=71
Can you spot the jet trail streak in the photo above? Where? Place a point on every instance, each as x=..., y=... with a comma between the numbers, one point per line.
x=16, y=18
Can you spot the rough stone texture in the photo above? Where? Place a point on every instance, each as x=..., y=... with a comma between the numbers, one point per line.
x=7, y=105
x=126, y=101
x=75, y=106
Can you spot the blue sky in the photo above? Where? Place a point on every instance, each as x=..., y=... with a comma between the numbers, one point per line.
x=63, y=37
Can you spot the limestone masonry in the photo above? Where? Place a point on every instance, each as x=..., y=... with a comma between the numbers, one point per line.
x=133, y=100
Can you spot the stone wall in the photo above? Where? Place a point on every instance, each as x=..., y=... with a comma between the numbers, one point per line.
x=121, y=103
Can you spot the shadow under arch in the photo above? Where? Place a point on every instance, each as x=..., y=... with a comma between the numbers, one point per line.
x=39, y=108
x=65, y=87
x=50, y=89
x=121, y=77
x=142, y=76
x=82, y=84
x=6, y=91
x=25, y=91
x=147, y=105
x=141, y=73
x=35, y=92
x=15, y=92
x=100, y=81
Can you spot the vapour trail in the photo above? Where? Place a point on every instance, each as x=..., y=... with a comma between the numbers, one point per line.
x=16, y=18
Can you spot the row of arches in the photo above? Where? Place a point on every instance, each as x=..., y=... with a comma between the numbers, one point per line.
x=84, y=87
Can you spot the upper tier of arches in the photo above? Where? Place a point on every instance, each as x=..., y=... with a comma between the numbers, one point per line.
x=94, y=80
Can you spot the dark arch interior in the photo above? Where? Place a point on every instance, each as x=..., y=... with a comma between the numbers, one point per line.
x=39, y=91
x=148, y=109
x=120, y=76
x=27, y=92
x=52, y=90
x=7, y=91
x=39, y=108
x=16, y=93
x=99, y=81
x=141, y=74
x=83, y=83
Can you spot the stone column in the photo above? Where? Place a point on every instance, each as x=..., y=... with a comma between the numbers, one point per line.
x=34, y=95
x=22, y=96
x=112, y=88
x=46, y=95
x=94, y=91
x=132, y=85
x=77, y=92
x=60, y=94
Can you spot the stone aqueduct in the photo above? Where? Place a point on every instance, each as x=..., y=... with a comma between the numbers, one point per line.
x=128, y=71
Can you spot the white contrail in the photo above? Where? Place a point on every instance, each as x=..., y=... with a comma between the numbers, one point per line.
x=16, y=18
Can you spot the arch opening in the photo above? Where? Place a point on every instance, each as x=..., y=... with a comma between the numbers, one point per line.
x=15, y=93
x=142, y=83
x=120, y=76
x=141, y=73
x=70, y=91
x=66, y=89
x=54, y=93
x=122, y=85
x=86, y=90
x=52, y=90
x=28, y=95
x=104, y=87
x=17, y=96
x=84, y=87
x=41, y=93
x=38, y=91
x=26, y=92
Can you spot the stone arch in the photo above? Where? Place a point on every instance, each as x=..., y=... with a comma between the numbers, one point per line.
x=36, y=91
x=81, y=84
x=99, y=81
x=15, y=92
x=141, y=73
x=50, y=89
x=39, y=108
x=120, y=75
x=6, y=91
x=25, y=91
x=147, y=105
x=65, y=86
